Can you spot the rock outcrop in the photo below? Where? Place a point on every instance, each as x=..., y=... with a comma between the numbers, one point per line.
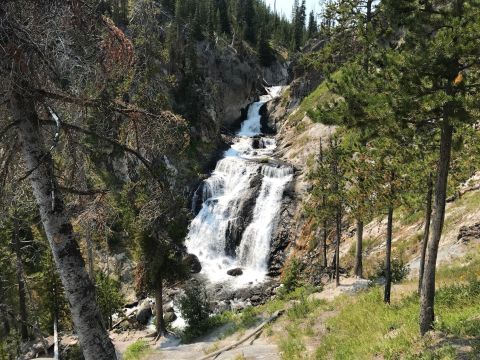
x=469, y=233
x=245, y=207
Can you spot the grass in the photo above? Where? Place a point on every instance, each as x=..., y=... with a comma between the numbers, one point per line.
x=366, y=328
x=363, y=327
x=136, y=351
x=320, y=95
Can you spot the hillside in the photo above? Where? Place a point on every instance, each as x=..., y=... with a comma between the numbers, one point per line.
x=185, y=179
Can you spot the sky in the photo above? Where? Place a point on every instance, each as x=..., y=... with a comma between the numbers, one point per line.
x=285, y=6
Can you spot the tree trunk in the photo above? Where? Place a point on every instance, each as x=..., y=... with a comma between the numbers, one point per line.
x=359, y=254
x=427, y=314
x=22, y=304
x=78, y=286
x=91, y=270
x=368, y=19
x=160, y=322
x=426, y=230
x=388, y=256
x=337, y=245
x=325, y=260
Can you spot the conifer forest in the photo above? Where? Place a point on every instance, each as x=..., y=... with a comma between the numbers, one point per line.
x=239, y=179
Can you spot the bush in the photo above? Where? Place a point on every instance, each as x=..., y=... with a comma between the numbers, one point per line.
x=290, y=277
x=399, y=270
x=109, y=297
x=194, y=307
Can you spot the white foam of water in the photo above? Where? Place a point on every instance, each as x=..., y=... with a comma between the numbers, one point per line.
x=222, y=194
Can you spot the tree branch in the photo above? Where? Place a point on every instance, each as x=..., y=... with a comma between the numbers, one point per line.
x=125, y=148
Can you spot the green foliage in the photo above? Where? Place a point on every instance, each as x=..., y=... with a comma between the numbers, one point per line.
x=399, y=270
x=109, y=298
x=195, y=309
x=137, y=351
x=365, y=327
x=291, y=276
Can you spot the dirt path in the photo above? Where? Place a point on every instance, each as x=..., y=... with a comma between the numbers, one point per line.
x=262, y=348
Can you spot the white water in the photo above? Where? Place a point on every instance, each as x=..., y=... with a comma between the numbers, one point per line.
x=224, y=191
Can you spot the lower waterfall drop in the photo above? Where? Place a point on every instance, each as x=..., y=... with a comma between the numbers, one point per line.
x=241, y=204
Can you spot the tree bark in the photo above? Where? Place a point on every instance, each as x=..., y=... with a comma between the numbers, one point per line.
x=78, y=286
x=426, y=230
x=359, y=254
x=325, y=236
x=368, y=19
x=22, y=303
x=91, y=270
x=337, y=245
x=427, y=297
x=388, y=257
x=388, y=248
x=160, y=322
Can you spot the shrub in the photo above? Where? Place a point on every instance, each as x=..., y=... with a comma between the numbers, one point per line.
x=290, y=277
x=194, y=307
x=399, y=270
x=109, y=297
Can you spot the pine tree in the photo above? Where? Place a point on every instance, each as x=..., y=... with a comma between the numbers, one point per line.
x=435, y=92
x=223, y=19
x=312, y=25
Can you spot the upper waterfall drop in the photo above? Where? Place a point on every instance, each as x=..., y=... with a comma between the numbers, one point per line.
x=241, y=204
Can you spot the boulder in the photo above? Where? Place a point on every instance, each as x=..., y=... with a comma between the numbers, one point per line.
x=192, y=263
x=469, y=233
x=144, y=312
x=235, y=272
x=168, y=309
x=169, y=317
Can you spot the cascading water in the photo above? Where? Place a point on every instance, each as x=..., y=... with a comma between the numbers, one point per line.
x=241, y=204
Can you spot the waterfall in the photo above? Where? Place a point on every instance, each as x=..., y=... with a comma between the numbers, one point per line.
x=241, y=204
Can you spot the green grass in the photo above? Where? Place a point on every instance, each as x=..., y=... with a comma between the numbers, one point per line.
x=365, y=327
x=320, y=95
x=138, y=350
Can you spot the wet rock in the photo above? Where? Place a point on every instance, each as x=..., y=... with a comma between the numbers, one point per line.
x=282, y=235
x=237, y=226
x=191, y=262
x=144, y=312
x=169, y=317
x=256, y=299
x=235, y=272
x=168, y=308
x=222, y=306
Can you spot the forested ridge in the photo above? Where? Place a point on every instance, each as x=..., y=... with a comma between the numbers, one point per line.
x=112, y=113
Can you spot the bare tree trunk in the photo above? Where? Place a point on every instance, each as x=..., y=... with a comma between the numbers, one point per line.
x=324, y=243
x=337, y=245
x=388, y=255
x=368, y=19
x=359, y=254
x=79, y=289
x=91, y=270
x=426, y=230
x=160, y=322
x=427, y=297
x=22, y=303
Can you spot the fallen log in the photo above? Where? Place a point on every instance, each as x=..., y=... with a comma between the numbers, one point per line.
x=257, y=331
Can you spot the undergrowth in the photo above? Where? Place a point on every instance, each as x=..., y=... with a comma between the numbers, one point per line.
x=136, y=351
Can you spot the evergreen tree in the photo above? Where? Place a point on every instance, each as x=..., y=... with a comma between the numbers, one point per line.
x=299, y=24
x=265, y=52
x=223, y=19
x=312, y=25
x=436, y=91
